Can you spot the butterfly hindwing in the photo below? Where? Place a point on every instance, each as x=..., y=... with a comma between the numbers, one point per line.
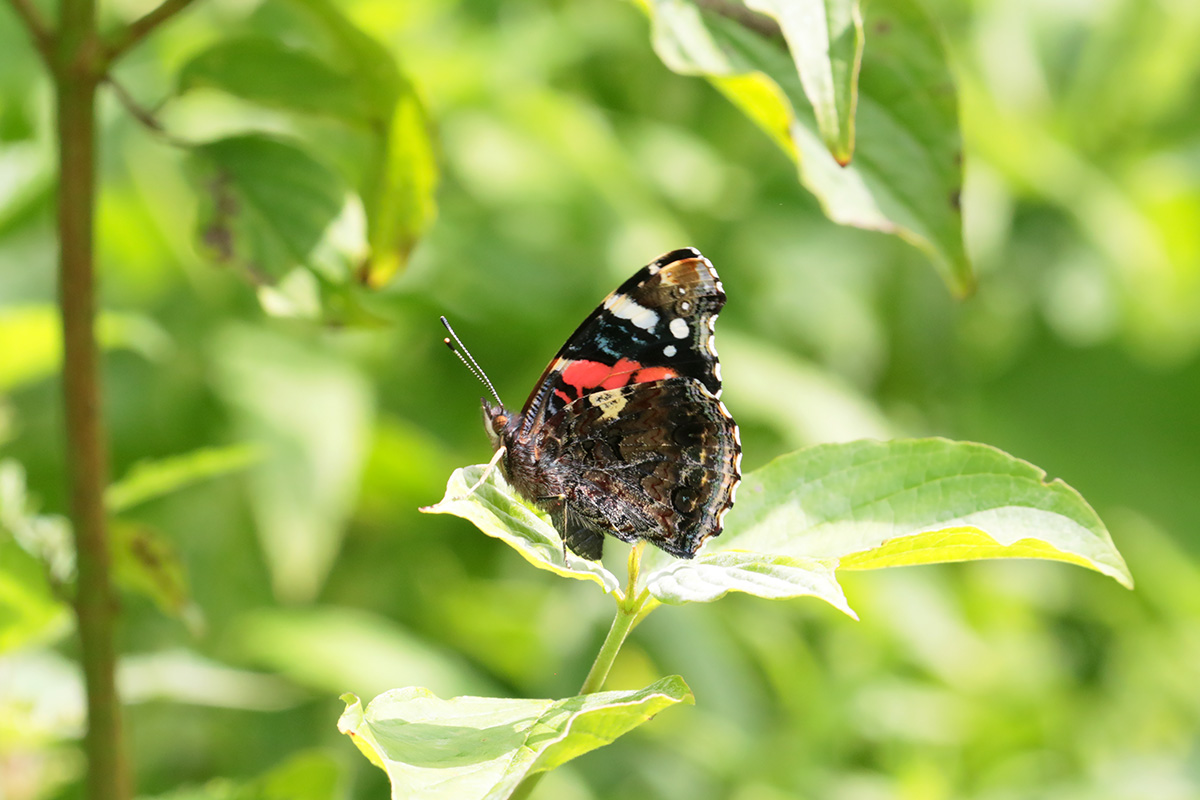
x=657, y=461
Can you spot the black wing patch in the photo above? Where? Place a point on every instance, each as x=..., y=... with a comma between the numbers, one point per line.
x=656, y=325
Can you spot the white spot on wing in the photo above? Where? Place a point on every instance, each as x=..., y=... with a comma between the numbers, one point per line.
x=669, y=351
x=620, y=305
x=679, y=328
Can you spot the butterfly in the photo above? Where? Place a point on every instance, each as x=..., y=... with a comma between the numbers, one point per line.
x=625, y=433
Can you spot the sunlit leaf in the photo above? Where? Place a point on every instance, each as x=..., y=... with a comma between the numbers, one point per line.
x=266, y=204
x=710, y=577
x=906, y=175
x=919, y=501
x=148, y=480
x=861, y=505
x=496, y=510
x=483, y=747
x=825, y=38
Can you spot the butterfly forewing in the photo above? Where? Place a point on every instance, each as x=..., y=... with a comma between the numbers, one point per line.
x=658, y=324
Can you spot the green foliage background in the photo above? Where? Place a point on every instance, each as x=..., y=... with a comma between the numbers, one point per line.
x=569, y=156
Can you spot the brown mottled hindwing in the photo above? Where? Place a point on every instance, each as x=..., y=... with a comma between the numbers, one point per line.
x=657, y=461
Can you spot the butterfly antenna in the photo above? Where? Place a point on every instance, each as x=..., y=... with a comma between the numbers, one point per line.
x=468, y=360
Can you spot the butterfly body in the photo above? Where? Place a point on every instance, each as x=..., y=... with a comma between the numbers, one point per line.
x=625, y=434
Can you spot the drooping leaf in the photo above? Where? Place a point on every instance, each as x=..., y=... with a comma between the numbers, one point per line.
x=825, y=38
x=469, y=748
x=399, y=194
x=266, y=204
x=496, y=510
x=148, y=480
x=398, y=186
x=906, y=175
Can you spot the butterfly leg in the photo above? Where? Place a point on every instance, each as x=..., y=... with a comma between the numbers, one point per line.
x=487, y=471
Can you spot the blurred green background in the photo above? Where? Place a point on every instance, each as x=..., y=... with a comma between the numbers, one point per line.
x=570, y=156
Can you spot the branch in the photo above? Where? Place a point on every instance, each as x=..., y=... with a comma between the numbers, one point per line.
x=35, y=23
x=141, y=27
x=142, y=115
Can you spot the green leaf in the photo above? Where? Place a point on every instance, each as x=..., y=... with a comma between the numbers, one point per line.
x=148, y=480
x=825, y=38
x=906, y=175
x=313, y=775
x=399, y=195
x=870, y=504
x=303, y=489
x=267, y=204
x=371, y=63
x=860, y=505
x=711, y=576
x=496, y=510
x=145, y=562
x=399, y=185
x=482, y=747
x=267, y=71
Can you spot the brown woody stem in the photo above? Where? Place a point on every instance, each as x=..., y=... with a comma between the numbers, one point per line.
x=77, y=65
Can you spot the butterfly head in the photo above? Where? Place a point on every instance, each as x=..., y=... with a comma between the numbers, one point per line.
x=499, y=422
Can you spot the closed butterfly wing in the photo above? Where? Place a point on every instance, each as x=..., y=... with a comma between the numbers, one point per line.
x=658, y=461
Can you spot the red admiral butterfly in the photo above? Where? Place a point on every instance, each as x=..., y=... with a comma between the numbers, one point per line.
x=624, y=433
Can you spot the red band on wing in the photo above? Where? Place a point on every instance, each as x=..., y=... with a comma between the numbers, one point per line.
x=654, y=374
x=588, y=375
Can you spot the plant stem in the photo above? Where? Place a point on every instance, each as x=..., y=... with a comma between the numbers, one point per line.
x=631, y=609
x=140, y=28
x=621, y=626
x=76, y=68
